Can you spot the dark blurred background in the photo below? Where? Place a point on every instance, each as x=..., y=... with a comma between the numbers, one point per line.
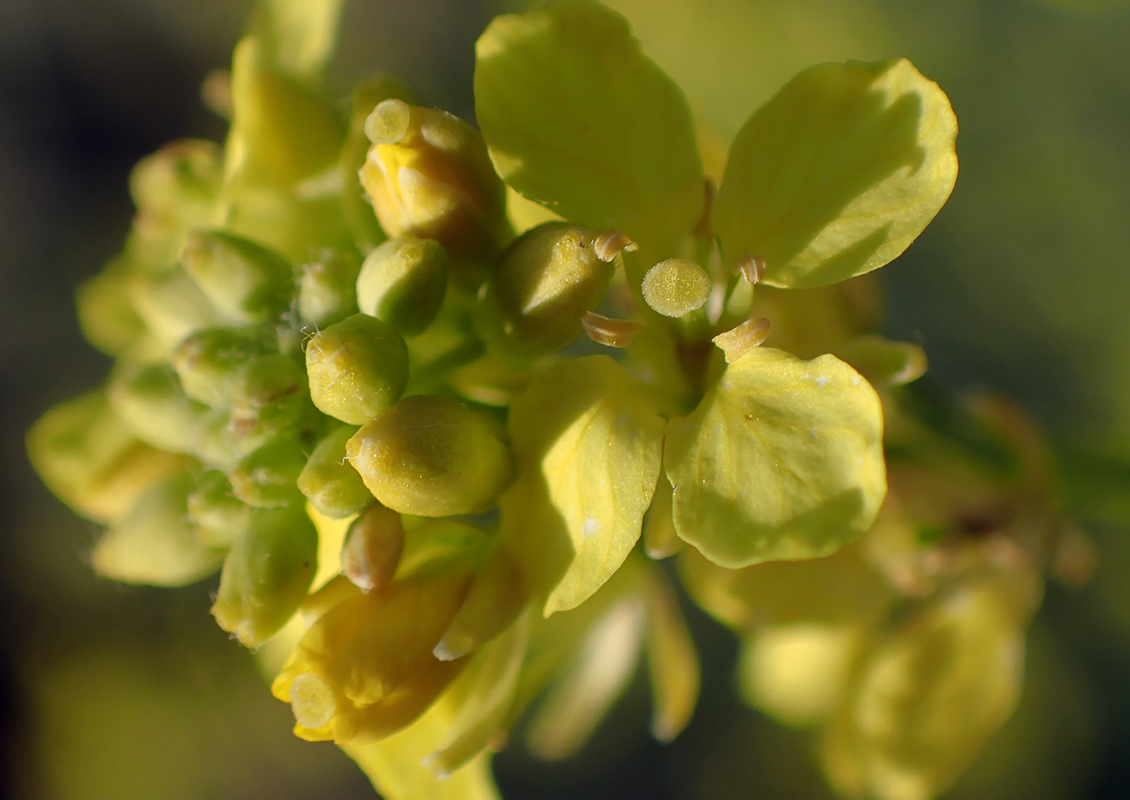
x=1020, y=286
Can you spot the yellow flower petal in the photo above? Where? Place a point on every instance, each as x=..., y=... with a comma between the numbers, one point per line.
x=839, y=173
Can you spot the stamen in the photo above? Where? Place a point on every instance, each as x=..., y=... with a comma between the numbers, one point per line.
x=611, y=242
x=738, y=341
x=610, y=332
x=702, y=227
x=753, y=269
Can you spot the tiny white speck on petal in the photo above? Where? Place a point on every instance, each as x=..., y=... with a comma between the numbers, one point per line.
x=591, y=526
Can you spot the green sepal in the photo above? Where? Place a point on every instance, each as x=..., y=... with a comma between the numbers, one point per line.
x=329, y=481
x=245, y=280
x=782, y=459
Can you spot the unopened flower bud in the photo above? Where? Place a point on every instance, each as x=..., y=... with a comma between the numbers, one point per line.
x=327, y=288
x=266, y=575
x=92, y=461
x=549, y=278
x=218, y=514
x=433, y=457
x=356, y=368
x=365, y=668
x=428, y=175
x=105, y=312
x=372, y=548
x=266, y=476
x=245, y=280
x=402, y=282
x=208, y=362
x=268, y=395
x=152, y=403
x=329, y=481
x=172, y=306
x=155, y=543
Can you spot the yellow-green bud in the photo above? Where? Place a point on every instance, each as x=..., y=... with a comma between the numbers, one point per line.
x=327, y=288
x=245, y=280
x=329, y=482
x=92, y=461
x=428, y=175
x=208, y=362
x=356, y=368
x=402, y=282
x=171, y=305
x=266, y=476
x=549, y=277
x=372, y=548
x=214, y=508
x=153, y=405
x=105, y=313
x=266, y=575
x=155, y=543
x=268, y=395
x=218, y=445
x=433, y=457
x=174, y=190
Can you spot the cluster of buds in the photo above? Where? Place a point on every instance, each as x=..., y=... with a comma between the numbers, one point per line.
x=411, y=429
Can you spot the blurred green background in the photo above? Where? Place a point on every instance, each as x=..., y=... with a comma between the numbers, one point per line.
x=1020, y=286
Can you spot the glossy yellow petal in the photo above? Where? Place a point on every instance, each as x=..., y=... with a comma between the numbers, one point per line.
x=783, y=459
x=839, y=173
x=587, y=440
x=577, y=118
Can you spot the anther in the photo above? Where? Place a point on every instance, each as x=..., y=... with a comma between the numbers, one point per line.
x=610, y=332
x=738, y=341
x=753, y=269
x=611, y=242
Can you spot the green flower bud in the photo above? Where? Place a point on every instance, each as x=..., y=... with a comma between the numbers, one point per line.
x=428, y=175
x=402, y=283
x=218, y=445
x=174, y=190
x=432, y=457
x=153, y=405
x=268, y=395
x=155, y=543
x=549, y=277
x=105, y=313
x=327, y=288
x=266, y=575
x=329, y=482
x=245, y=280
x=214, y=508
x=265, y=477
x=172, y=306
x=372, y=548
x=208, y=362
x=356, y=368
x=91, y=459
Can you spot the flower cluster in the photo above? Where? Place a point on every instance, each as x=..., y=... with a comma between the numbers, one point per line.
x=437, y=438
